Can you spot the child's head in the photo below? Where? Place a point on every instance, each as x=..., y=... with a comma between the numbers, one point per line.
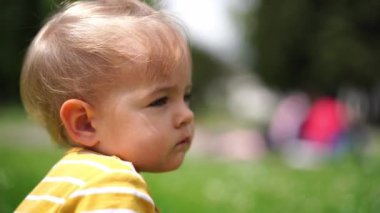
x=114, y=76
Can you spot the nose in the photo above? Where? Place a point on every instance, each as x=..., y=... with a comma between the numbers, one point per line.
x=184, y=116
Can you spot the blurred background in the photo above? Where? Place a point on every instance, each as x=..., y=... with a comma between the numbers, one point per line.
x=287, y=102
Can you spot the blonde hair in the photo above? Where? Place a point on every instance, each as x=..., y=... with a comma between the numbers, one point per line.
x=84, y=48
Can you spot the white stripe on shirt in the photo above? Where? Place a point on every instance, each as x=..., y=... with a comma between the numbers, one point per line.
x=100, y=166
x=49, y=198
x=126, y=163
x=111, y=211
x=112, y=189
x=85, y=162
x=129, y=164
x=72, y=180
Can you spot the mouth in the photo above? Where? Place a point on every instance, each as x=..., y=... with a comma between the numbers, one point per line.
x=184, y=142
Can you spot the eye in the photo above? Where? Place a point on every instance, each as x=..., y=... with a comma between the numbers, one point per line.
x=159, y=102
x=187, y=98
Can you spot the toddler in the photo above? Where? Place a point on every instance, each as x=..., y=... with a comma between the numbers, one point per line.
x=111, y=80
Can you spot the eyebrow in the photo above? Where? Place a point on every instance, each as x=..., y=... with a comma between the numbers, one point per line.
x=165, y=87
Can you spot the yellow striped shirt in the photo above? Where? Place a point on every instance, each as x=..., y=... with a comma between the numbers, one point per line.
x=83, y=181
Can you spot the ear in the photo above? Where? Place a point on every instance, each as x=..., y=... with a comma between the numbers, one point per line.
x=76, y=116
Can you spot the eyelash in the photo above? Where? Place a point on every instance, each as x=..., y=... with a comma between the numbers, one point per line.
x=163, y=100
x=188, y=98
x=159, y=102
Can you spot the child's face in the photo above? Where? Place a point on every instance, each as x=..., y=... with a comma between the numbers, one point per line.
x=150, y=125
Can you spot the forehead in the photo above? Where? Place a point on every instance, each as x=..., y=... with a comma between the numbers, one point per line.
x=159, y=67
x=139, y=86
x=156, y=52
x=177, y=77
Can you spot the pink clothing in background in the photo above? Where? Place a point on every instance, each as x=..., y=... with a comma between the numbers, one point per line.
x=325, y=123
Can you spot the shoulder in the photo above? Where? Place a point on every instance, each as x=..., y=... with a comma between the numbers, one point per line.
x=78, y=158
x=86, y=181
x=109, y=183
x=92, y=168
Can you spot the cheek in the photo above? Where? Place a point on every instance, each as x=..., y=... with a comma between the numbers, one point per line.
x=142, y=131
x=155, y=124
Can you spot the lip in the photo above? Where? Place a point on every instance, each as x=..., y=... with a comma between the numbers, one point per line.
x=184, y=142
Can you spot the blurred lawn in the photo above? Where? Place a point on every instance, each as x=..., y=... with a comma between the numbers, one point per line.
x=349, y=184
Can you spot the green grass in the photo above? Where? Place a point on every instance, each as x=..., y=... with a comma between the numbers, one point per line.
x=210, y=186
x=269, y=186
x=20, y=170
x=350, y=184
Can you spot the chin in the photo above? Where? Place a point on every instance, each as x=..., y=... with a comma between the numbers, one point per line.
x=165, y=167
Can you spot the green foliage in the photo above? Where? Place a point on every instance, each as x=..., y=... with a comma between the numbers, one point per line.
x=19, y=20
x=206, y=71
x=317, y=46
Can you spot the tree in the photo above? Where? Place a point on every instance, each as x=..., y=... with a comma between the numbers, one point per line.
x=19, y=21
x=316, y=45
x=207, y=72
